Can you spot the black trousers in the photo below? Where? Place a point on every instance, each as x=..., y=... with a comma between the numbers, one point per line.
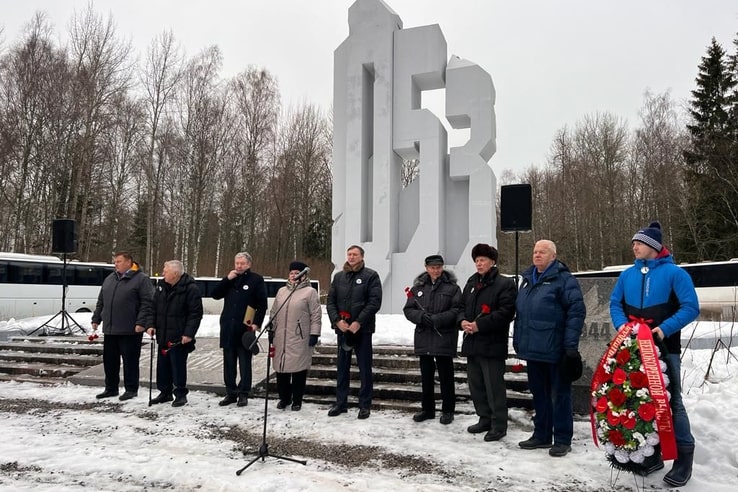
x=171, y=372
x=127, y=348
x=241, y=357
x=364, y=353
x=445, y=365
x=291, y=386
x=486, y=379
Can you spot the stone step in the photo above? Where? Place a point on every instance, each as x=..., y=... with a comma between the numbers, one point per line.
x=50, y=358
x=38, y=369
x=81, y=348
x=404, y=359
x=29, y=378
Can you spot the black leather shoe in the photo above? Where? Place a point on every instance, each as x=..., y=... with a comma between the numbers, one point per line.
x=534, y=443
x=494, y=435
x=364, y=413
x=242, y=401
x=479, y=427
x=127, y=395
x=282, y=405
x=559, y=450
x=336, y=410
x=161, y=398
x=228, y=400
x=180, y=401
x=296, y=407
x=107, y=394
x=447, y=418
x=423, y=415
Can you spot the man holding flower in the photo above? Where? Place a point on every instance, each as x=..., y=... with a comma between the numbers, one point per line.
x=489, y=308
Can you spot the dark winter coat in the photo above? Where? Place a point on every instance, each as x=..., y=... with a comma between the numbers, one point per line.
x=550, y=314
x=663, y=294
x=297, y=319
x=497, y=292
x=177, y=310
x=125, y=301
x=442, y=302
x=357, y=292
x=247, y=289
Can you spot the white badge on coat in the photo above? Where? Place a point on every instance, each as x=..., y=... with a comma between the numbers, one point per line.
x=358, y=280
x=644, y=270
x=245, y=287
x=420, y=293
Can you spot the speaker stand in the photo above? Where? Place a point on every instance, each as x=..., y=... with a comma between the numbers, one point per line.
x=67, y=322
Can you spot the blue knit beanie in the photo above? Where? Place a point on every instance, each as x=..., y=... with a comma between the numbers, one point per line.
x=650, y=236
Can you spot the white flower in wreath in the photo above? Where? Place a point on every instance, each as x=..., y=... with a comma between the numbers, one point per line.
x=642, y=393
x=637, y=456
x=640, y=438
x=652, y=438
x=621, y=455
x=609, y=448
x=648, y=450
x=666, y=381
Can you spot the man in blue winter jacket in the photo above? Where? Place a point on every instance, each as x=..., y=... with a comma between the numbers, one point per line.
x=550, y=317
x=656, y=289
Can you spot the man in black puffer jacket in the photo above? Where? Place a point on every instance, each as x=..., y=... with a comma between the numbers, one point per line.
x=489, y=308
x=433, y=304
x=177, y=316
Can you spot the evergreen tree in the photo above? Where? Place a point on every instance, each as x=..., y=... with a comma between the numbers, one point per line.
x=710, y=229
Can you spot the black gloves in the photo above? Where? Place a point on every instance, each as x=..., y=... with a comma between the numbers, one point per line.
x=427, y=320
x=313, y=340
x=571, y=366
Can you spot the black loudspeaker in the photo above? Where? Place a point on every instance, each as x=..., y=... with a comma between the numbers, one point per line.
x=516, y=209
x=64, y=236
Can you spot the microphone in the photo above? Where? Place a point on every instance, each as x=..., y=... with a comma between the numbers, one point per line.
x=304, y=272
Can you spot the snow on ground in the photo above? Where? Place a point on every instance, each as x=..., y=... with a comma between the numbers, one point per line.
x=61, y=438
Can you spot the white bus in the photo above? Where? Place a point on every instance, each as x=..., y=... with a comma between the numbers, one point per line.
x=31, y=285
x=716, y=283
x=213, y=306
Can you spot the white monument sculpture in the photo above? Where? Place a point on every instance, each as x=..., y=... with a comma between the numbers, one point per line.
x=380, y=71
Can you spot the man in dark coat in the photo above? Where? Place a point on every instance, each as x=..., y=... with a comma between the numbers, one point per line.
x=354, y=298
x=240, y=289
x=124, y=307
x=177, y=316
x=489, y=308
x=433, y=304
x=550, y=318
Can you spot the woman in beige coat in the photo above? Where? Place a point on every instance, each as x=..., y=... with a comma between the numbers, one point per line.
x=296, y=331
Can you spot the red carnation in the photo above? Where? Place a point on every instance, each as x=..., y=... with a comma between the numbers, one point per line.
x=623, y=357
x=601, y=404
x=486, y=309
x=345, y=315
x=629, y=421
x=647, y=411
x=619, y=376
x=638, y=380
x=616, y=437
x=518, y=367
x=616, y=396
x=408, y=292
x=612, y=419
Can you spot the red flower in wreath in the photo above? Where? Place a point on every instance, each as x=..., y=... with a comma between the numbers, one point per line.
x=616, y=437
x=602, y=404
x=622, y=358
x=628, y=421
x=616, y=396
x=612, y=419
x=647, y=411
x=638, y=380
x=618, y=377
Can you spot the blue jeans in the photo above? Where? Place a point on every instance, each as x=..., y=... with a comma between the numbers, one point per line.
x=682, y=431
x=363, y=349
x=552, y=402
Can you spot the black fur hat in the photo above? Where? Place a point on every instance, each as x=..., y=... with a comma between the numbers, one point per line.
x=482, y=249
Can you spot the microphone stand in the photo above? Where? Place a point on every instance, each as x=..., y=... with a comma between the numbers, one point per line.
x=263, y=451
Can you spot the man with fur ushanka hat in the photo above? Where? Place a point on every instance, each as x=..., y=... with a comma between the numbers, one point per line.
x=433, y=304
x=656, y=289
x=489, y=307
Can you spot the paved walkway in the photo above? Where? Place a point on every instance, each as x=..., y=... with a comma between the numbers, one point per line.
x=204, y=368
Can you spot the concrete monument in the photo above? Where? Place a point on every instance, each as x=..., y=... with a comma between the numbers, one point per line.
x=380, y=71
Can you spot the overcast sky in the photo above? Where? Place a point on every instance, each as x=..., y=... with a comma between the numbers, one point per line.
x=552, y=62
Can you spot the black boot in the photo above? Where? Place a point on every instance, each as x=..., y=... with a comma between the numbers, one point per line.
x=681, y=472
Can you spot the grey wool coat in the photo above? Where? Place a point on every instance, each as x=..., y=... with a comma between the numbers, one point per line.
x=293, y=324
